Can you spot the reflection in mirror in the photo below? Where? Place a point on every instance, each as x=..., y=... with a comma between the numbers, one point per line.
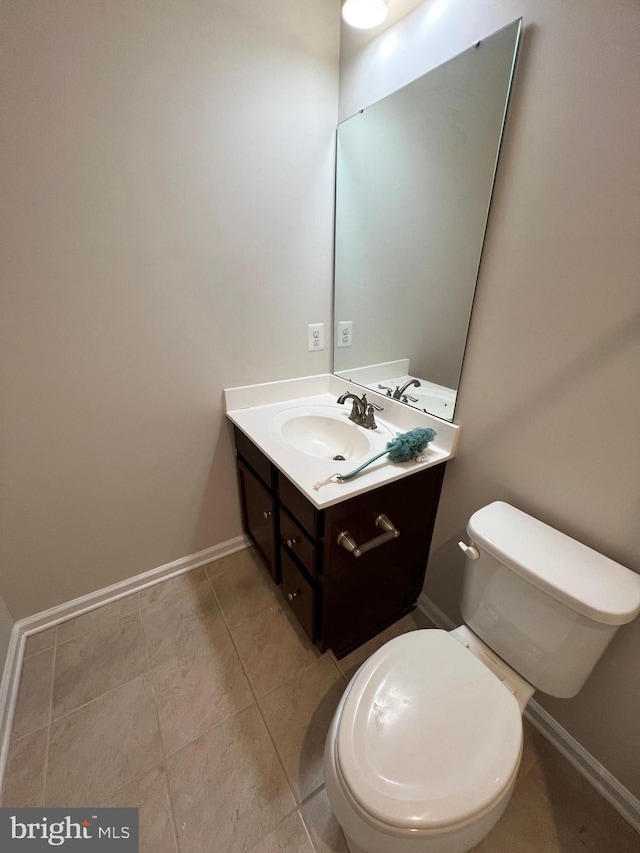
x=414, y=178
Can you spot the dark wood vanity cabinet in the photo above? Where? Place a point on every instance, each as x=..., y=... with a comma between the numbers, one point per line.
x=259, y=517
x=339, y=599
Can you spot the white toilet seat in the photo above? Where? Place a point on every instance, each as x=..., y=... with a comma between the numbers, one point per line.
x=427, y=737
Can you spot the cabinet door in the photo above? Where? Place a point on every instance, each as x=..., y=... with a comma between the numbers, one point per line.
x=362, y=595
x=259, y=518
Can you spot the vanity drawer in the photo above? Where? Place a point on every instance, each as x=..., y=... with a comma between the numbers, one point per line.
x=294, y=540
x=255, y=457
x=299, y=593
x=299, y=507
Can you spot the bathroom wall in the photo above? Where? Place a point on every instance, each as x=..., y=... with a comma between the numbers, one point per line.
x=167, y=220
x=548, y=403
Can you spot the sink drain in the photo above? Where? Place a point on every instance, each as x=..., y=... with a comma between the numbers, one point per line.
x=338, y=458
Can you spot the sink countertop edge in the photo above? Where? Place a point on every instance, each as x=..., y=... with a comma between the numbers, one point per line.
x=251, y=407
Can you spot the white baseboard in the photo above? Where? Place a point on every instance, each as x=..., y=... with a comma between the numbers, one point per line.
x=9, y=693
x=70, y=609
x=622, y=800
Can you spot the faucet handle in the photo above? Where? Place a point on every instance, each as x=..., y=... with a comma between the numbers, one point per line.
x=387, y=389
x=375, y=406
x=369, y=421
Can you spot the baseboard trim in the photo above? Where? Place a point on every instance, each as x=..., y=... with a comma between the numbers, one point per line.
x=622, y=800
x=78, y=606
x=433, y=613
x=70, y=609
x=9, y=693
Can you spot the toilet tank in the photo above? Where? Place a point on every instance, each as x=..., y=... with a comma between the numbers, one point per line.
x=545, y=603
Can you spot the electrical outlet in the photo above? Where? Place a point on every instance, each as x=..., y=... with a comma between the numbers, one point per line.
x=345, y=333
x=315, y=336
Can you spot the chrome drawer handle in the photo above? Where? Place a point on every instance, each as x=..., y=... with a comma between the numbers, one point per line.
x=266, y=514
x=291, y=542
x=346, y=540
x=292, y=595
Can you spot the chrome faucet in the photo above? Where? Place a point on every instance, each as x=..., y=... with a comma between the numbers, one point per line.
x=361, y=410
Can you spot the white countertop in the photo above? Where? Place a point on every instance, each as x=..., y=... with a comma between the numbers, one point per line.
x=253, y=408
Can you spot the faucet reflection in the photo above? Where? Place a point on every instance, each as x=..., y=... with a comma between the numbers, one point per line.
x=399, y=393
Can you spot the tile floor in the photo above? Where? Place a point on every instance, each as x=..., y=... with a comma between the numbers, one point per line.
x=201, y=702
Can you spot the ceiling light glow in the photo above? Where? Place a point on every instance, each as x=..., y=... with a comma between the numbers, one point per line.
x=364, y=14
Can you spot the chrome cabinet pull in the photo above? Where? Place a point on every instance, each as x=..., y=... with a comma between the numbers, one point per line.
x=346, y=540
x=266, y=514
x=292, y=595
x=291, y=542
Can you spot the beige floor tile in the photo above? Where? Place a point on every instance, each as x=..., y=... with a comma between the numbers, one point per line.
x=272, y=649
x=176, y=624
x=227, y=782
x=242, y=558
x=529, y=750
x=298, y=715
x=149, y=794
x=529, y=826
x=100, y=619
x=604, y=830
x=24, y=774
x=197, y=690
x=33, y=707
x=103, y=746
x=228, y=786
x=577, y=806
x=186, y=585
x=245, y=591
x=40, y=642
x=324, y=829
x=349, y=664
x=97, y=662
x=289, y=837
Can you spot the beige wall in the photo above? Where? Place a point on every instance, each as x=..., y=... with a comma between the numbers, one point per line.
x=6, y=626
x=549, y=402
x=167, y=230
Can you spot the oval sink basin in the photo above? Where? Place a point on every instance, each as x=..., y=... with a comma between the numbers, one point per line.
x=324, y=437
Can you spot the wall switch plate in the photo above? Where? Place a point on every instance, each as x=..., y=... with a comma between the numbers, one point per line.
x=315, y=336
x=345, y=333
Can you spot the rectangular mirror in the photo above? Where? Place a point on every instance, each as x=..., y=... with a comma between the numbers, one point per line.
x=414, y=178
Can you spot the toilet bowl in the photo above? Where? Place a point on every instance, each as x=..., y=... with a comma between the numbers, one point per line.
x=423, y=751
x=424, y=748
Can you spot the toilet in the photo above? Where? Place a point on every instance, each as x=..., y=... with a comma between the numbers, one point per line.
x=423, y=751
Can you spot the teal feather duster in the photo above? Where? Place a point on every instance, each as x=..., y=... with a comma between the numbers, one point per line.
x=403, y=448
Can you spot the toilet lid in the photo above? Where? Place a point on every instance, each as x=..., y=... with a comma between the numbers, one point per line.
x=428, y=736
